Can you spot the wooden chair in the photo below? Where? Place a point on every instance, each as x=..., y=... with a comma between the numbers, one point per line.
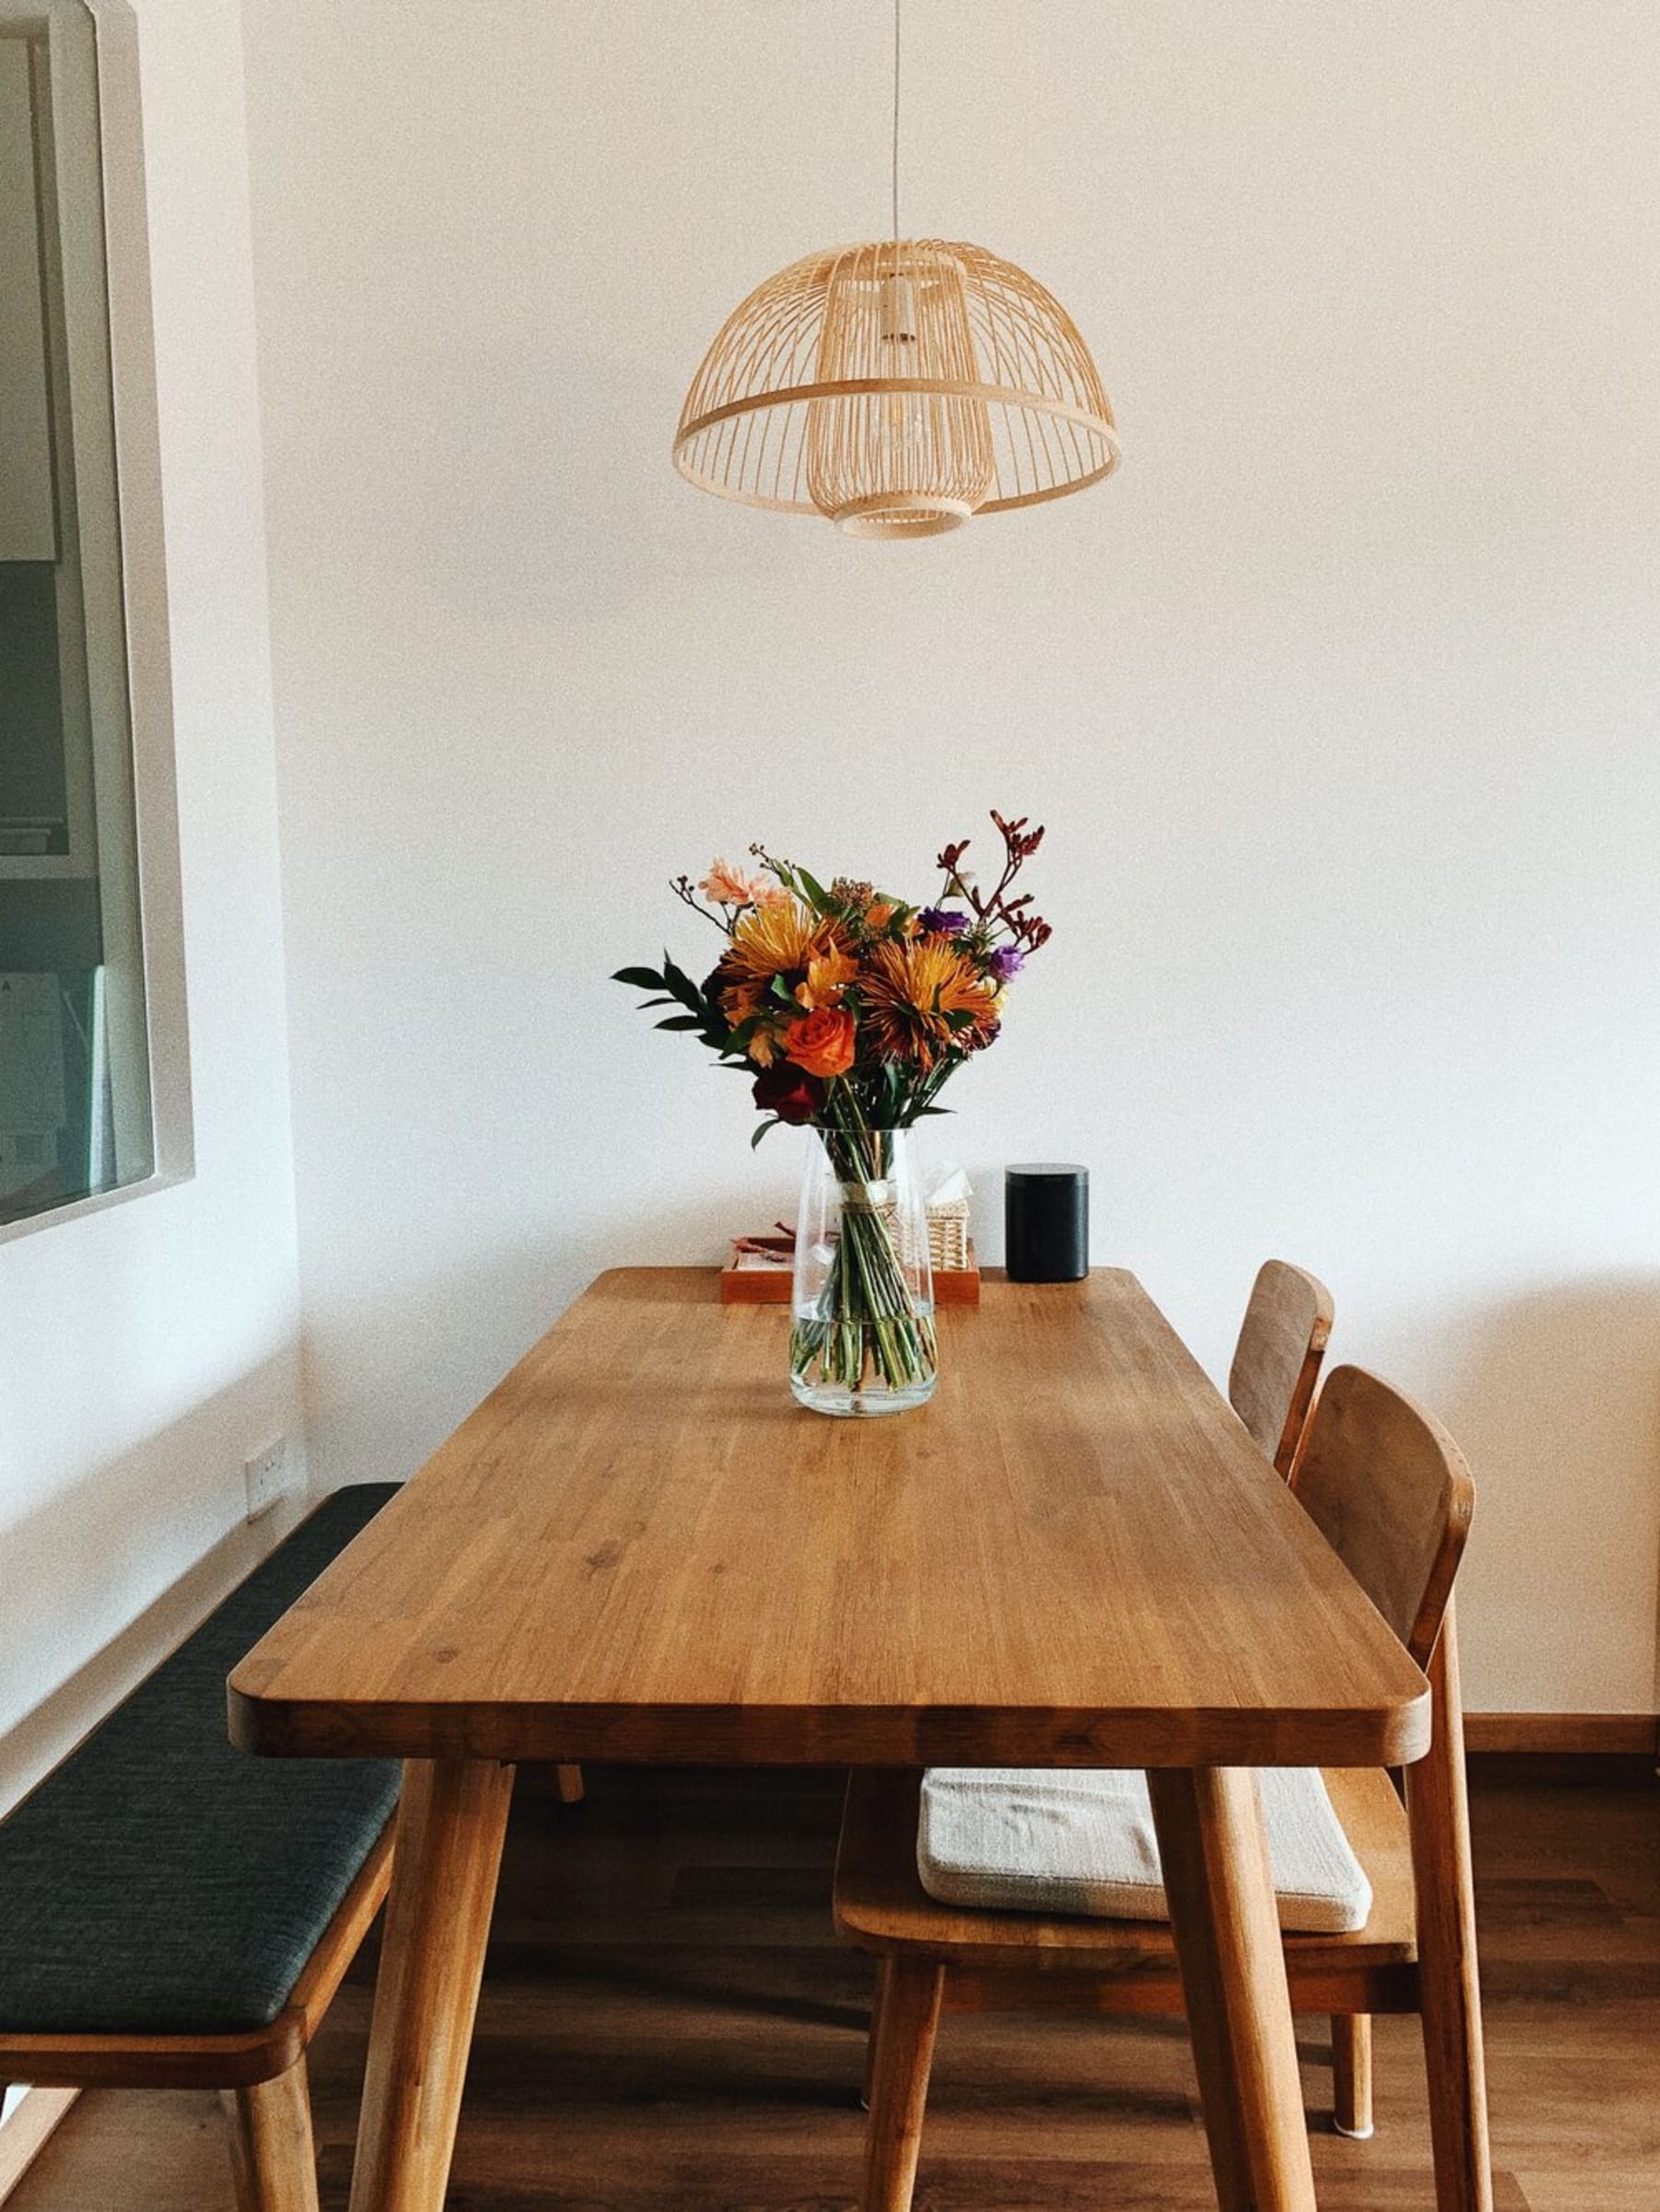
x=1391, y=1492
x=1270, y=1386
x=1276, y=1362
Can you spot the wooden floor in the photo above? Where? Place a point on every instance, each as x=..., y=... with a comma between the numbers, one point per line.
x=668, y=2022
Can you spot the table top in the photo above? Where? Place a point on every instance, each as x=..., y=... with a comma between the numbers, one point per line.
x=639, y=1547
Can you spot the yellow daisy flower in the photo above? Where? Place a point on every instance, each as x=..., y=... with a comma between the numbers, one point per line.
x=770, y=941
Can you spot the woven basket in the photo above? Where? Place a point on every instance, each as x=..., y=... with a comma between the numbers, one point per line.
x=948, y=1234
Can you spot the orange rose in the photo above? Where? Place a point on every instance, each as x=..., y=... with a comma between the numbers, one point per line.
x=821, y=1042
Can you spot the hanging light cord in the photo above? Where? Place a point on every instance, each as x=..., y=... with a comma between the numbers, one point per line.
x=896, y=6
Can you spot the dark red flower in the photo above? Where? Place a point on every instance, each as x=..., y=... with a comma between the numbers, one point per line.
x=789, y=1093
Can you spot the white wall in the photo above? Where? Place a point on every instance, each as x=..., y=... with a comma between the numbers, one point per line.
x=1340, y=702
x=146, y=1349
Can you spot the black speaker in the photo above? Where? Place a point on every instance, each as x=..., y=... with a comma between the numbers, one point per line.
x=1045, y=1222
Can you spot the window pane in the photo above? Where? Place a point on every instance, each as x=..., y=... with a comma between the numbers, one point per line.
x=75, y=1093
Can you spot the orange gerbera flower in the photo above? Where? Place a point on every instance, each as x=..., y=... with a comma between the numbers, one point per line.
x=908, y=990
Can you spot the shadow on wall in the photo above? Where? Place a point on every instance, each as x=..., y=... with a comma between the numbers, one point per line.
x=86, y=1565
x=1556, y=1400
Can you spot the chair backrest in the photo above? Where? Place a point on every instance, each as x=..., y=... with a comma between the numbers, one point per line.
x=1392, y=1494
x=1282, y=1341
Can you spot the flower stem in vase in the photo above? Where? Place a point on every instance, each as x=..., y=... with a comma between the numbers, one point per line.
x=863, y=1337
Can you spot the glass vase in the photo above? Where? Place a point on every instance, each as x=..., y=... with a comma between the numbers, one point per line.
x=862, y=1340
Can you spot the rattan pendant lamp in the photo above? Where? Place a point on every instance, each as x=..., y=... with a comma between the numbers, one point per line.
x=897, y=389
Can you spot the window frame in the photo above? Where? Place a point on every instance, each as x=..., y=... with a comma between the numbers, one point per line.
x=141, y=546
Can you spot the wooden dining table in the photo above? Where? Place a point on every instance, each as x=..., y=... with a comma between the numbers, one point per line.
x=639, y=1548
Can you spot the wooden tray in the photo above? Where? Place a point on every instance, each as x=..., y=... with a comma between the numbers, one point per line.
x=771, y=1285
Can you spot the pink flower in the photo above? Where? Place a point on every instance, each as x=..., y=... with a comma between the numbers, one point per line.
x=728, y=886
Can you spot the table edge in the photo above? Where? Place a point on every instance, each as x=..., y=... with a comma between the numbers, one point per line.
x=1395, y=1734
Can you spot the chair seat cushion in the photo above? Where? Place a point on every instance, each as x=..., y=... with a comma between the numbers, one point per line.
x=163, y=1882
x=1064, y=1840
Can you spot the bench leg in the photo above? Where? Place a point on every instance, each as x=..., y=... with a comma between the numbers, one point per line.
x=1233, y=1976
x=447, y=1849
x=271, y=2152
x=567, y=1781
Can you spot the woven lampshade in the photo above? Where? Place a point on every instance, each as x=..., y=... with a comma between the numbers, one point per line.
x=897, y=389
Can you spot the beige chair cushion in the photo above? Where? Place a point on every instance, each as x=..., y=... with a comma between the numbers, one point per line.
x=1066, y=1840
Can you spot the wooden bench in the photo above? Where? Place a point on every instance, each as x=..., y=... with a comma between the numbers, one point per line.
x=178, y=1915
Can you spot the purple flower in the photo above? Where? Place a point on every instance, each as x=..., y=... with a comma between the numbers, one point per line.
x=1006, y=961
x=943, y=921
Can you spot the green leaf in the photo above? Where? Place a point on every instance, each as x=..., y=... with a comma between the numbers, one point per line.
x=677, y=981
x=681, y=1021
x=641, y=980
x=771, y=1122
x=817, y=896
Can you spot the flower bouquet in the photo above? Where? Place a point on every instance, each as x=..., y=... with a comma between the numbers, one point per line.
x=851, y=1009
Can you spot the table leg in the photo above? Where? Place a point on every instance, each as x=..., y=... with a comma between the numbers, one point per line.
x=1233, y=1973
x=451, y=1820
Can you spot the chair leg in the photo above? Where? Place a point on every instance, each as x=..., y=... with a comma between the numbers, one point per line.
x=906, y=2021
x=567, y=1781
x=1352, y=2074
x=271, y=2152
x=884, y=1967
x=1438, y=1815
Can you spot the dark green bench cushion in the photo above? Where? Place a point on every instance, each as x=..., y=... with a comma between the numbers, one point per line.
x=162, y=1883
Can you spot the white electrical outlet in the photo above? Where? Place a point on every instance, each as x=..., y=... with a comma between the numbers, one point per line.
x=267, y=1477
